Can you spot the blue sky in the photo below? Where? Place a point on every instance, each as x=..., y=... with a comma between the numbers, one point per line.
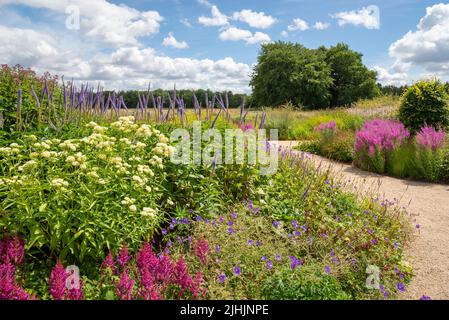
x=198, y=43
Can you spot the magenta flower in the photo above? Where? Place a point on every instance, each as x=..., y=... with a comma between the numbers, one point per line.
x=9, y=289
x=125, y=286
x=430, y=138
x=380, y=135
x=123, y=256
x=12, y=250
x=58, y=278
x=201, y=249
x=330, y=126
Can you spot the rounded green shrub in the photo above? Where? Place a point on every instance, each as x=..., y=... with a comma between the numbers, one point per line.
x=425, y=103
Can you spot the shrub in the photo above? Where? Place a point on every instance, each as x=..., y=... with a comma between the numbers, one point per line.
x=425, y=103
x=78, y=198
x=443, y=166
x=339, y=146
x=375, y=141
x=426, y=161
x=312, y=283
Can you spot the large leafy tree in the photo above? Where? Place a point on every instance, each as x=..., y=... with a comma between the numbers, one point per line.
x=352, y=80
x=288, y=72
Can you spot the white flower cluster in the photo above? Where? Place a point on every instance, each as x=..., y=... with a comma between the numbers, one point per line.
x=141, y=182
x=69, y=145
x=121, y=166
x=148, y=212
x=44, y=144
x=9, y=151
x=145, y=169
x=77, y=160
x=53, y=155
x=27, y=165
x=163, y=149
x=125, y=124
x=130, y=203
x=138, y=145
x=156, y=161
x=13, y=181
x=144, y=131
x=60, y=184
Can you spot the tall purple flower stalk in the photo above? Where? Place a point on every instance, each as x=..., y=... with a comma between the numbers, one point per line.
x=430, y=138
x=380, y=135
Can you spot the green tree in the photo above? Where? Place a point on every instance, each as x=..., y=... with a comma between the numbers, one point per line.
x=288, y=72
x=352, y=80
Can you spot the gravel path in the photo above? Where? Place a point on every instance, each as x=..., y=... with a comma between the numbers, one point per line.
x=428, y=204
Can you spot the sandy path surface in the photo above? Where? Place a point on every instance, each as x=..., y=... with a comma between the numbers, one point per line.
x=428, y=204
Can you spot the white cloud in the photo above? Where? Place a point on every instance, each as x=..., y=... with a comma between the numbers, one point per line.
x=368, y=17
x=385, y=77
x=428, y=46
x=254, y=19
x=114, y=24
x=298, y=24
x=186, y=22
x=321, y=25
x=284, y=34
x=170, y=41
x=217, y=20
x=129, y=67
x=205, y=2
x=237, y=34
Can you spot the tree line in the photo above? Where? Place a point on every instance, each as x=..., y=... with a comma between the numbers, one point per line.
x=311, y=78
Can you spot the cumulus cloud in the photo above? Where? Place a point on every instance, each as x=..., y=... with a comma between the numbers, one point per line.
x=237, y=34
x=428, y=45
x=321, y=25
x=170, y=41
x=104, y=21
x=298, y=24
x=217, y=19
x=386, y=77
x=368, y=17
x=254, y=19
x=128, y=67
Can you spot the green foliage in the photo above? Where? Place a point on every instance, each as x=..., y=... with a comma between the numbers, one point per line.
x=352, y=80
x=443, y=166
x=425, y=103
x=289, y=72
x=312, y=283
x=27, y=113
x=317, y=223
x=338, y=146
